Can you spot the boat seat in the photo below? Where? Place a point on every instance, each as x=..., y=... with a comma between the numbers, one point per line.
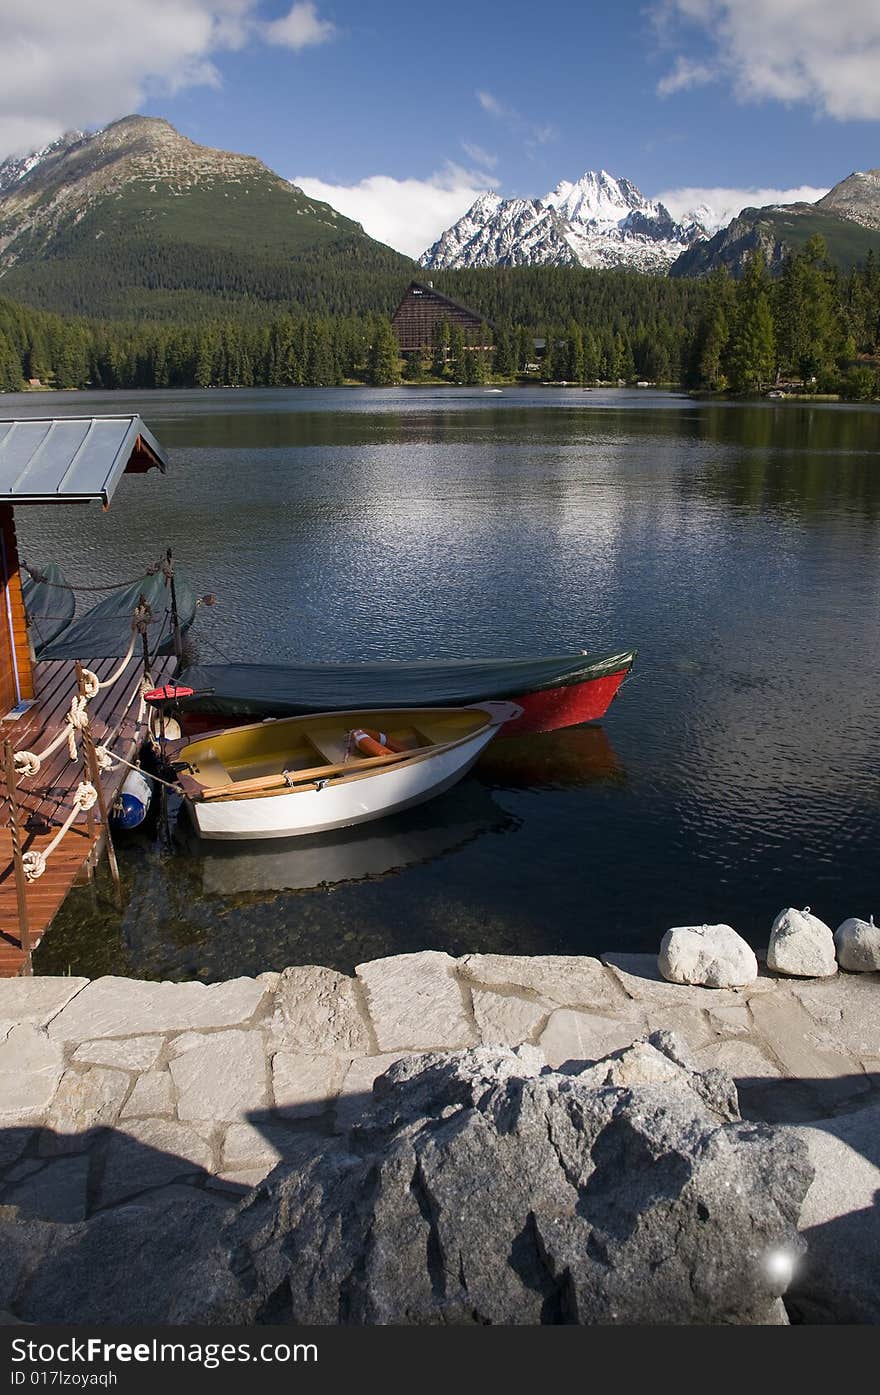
x=333, y=749
x=212, y=772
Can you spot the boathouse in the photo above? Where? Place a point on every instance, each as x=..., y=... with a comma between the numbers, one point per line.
x=55, y=715
x=422, y=309
x=56, y=460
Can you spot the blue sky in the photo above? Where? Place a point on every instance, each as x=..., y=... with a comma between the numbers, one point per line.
x=400, y=113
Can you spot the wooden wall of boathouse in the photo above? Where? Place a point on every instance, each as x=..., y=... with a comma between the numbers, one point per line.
x=16, y=666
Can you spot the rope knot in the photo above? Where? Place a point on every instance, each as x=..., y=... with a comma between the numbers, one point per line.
x=34, y=864
x=86, y=796
x=104, y=758
x=91, y=683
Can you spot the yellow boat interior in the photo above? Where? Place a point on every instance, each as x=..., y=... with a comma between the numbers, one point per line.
x=296, y=750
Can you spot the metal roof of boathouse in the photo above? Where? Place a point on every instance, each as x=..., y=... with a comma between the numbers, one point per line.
x=72, y=459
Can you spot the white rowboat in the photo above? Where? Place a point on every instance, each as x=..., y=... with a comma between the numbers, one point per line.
x=281, y=779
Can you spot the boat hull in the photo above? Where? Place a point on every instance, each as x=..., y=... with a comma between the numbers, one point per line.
x=318, y=810
x=553, y=693
x=551, y=709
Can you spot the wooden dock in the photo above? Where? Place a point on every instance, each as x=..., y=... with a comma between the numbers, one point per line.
x=45, y=799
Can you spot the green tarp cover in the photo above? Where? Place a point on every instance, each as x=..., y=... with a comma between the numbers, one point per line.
x=50, y=605
x=105, y=631
x=289, y=689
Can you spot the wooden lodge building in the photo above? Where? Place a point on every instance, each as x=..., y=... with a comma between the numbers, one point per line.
x=422, y=309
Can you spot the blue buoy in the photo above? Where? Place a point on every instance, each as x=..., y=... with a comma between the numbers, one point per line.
x=130, y=809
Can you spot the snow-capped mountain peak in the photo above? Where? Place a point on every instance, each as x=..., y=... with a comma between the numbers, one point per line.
x=600, y=220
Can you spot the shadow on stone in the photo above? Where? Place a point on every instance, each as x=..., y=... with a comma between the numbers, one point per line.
x=474, y=1187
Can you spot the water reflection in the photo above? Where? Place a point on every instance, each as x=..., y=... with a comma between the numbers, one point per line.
x=236, y=870
x=575, y=758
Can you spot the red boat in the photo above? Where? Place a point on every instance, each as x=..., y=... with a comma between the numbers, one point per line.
x=554, y=691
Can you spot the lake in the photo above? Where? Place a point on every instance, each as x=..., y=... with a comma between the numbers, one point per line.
x=737, y=772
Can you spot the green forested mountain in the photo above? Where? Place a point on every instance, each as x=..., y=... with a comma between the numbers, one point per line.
x=812, y=324
x=137, y=222
x=777, y=233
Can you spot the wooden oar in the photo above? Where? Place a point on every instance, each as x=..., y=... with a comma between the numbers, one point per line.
x=291, y=778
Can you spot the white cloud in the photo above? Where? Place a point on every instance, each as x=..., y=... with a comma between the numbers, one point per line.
x=724, y=203
x=479, y=156
x=407, y=214
x=685, y=74
x=826, y=55
x=66, y=65
x=301, y=28
x=493, y=106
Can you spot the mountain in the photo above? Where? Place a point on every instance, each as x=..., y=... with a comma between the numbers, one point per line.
x=600, y=221
x=847, y=217
x=138, y=221
x=856, y=198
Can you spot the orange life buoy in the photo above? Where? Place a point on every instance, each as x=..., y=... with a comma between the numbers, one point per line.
x=371, y=743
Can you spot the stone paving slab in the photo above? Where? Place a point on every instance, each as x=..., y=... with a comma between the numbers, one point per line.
x=585, y=1036
x=85, y=1099
x=506, y=1019
x=220, y=1076
x=556, y=979
x=31, y=1067
x=304, y=1084
x=415, y=1002
x=357, y=1084
x=37, y=999
x=127, y=1053
x=123, y=1007
x=319, y=1011
x=152, y=1096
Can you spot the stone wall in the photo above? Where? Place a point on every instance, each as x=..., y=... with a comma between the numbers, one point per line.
x=115, y=1089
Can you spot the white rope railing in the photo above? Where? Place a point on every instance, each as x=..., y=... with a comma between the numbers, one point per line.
x=92, y=684
x=34, y=862
x=28, y=763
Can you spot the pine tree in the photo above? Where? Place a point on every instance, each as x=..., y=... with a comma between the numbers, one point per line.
x=752, y=356
x=383, y=365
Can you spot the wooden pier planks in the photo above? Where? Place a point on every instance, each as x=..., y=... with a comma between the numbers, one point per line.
x=46, y=798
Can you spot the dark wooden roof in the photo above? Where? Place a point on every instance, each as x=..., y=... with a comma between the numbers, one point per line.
x=422, y=309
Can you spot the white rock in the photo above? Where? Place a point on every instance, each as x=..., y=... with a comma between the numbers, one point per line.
x=505, y=1020
x=123, y=1007
x=642, y=982
x=802, y=945
x=858, y=945
x=415, y=1002
x=319, y=1012
x=221, y=1077
x=304, y=1084
x=37, y=999
x=713, y=956
x=30, y=1068
x=131, y=1053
